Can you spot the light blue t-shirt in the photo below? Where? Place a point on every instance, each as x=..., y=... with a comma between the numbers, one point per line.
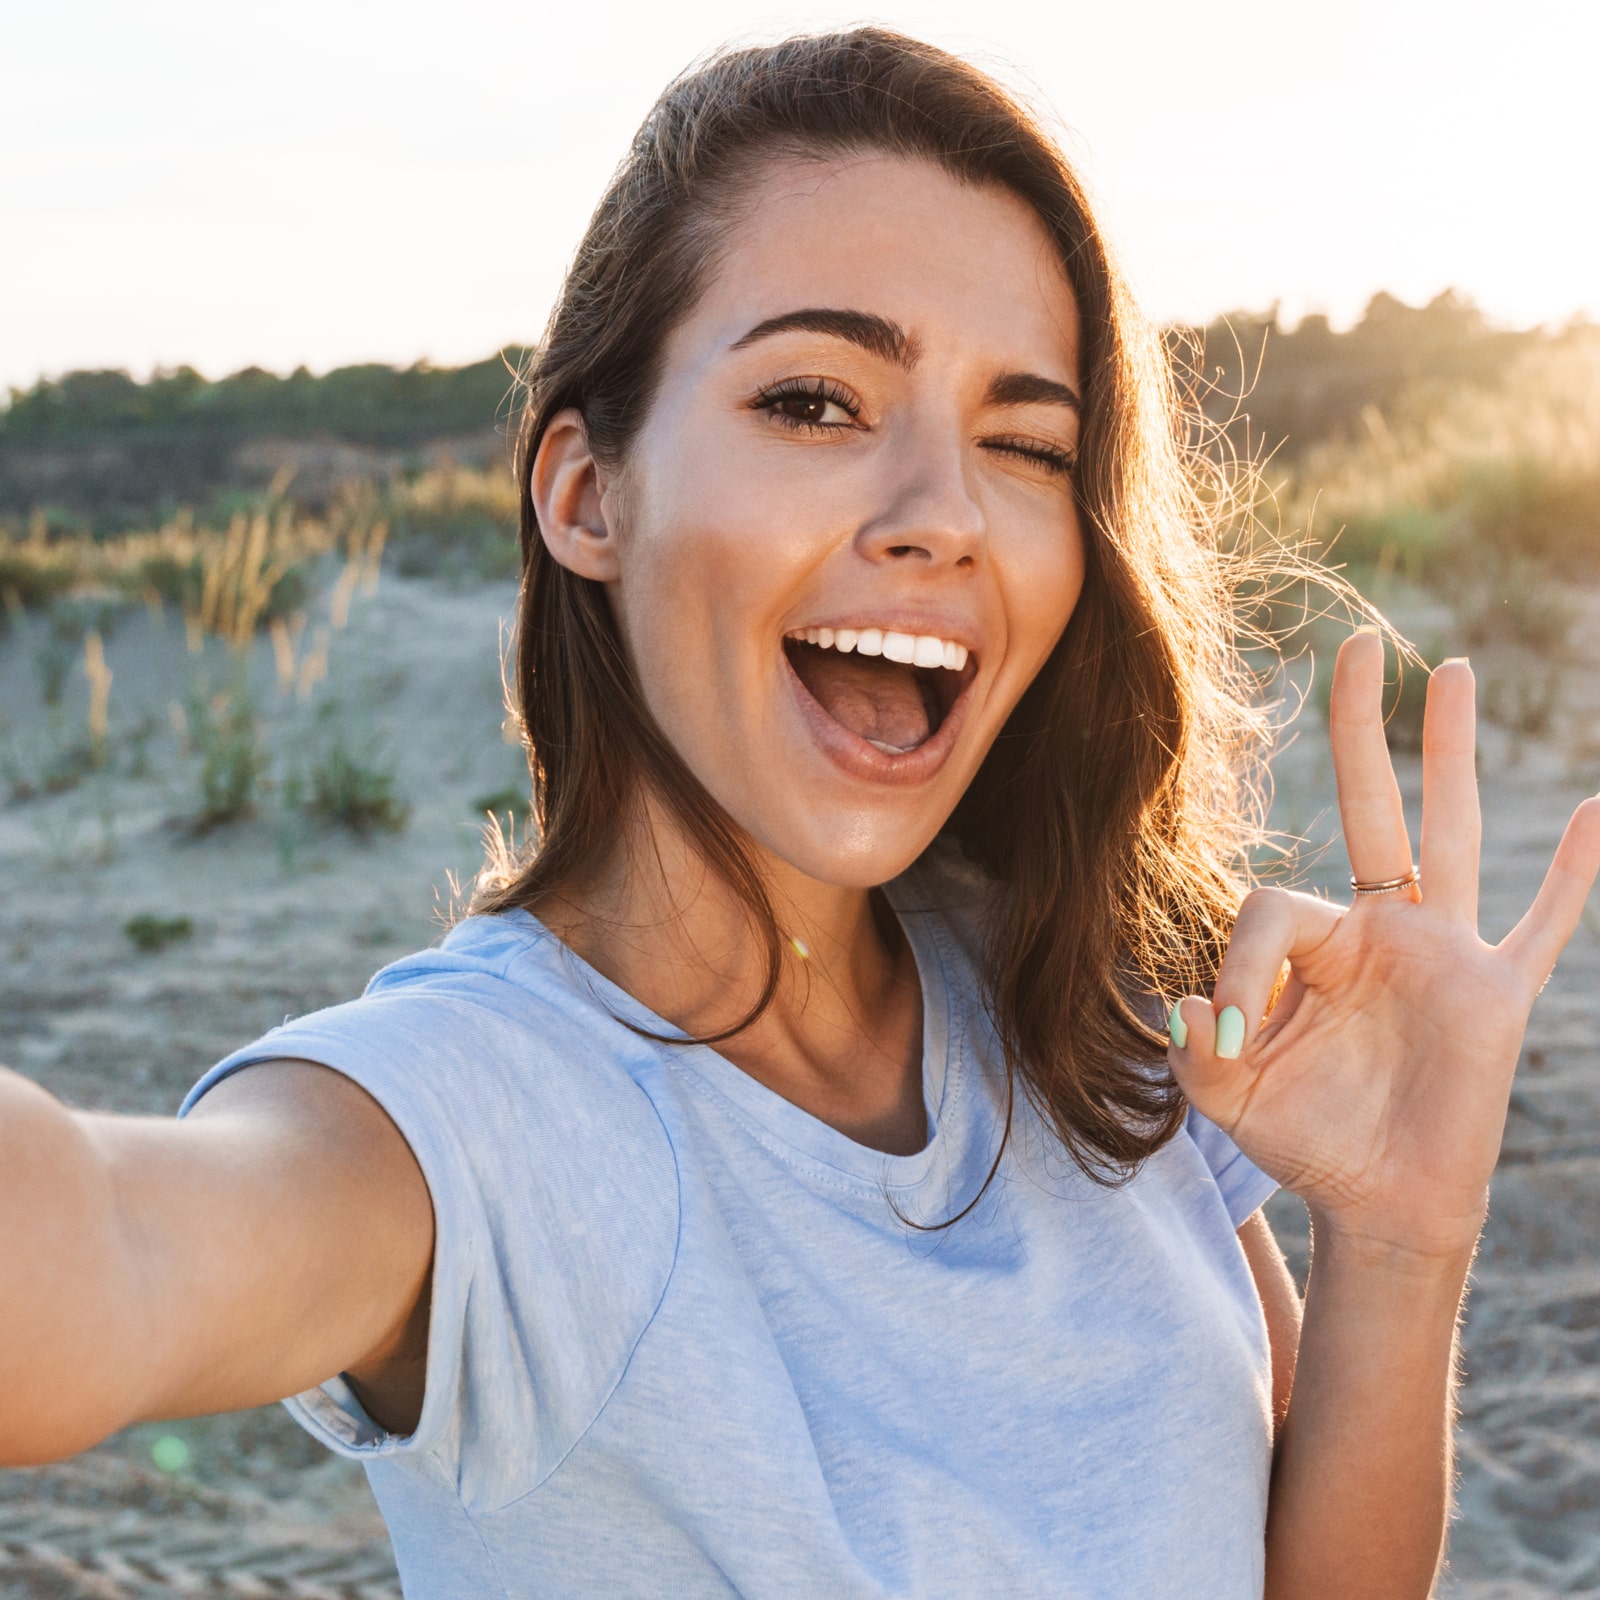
x=682, y=1345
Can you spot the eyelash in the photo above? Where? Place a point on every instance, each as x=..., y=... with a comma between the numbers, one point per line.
x=806, y=389
x=1058, y=461
x=1047, y=456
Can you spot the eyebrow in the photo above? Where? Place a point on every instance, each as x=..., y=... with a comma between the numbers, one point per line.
x=1028, y=388
x=876, y=335
x=888, y=341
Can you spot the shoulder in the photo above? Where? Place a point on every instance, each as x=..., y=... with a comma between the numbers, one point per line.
x=508, y=1076
x=497, y=1006
x=507, y=964
x=553, y=1182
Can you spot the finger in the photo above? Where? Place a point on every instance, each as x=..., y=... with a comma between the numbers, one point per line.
x=1535, y=943
x=1452, y=829
x=1273, y=926
x=1370, y=811
x=1193, y=1026
x=1212, y=1085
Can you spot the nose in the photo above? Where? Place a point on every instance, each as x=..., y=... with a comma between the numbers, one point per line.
x=929, y=512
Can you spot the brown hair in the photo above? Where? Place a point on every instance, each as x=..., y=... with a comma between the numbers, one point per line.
x=1114, y=809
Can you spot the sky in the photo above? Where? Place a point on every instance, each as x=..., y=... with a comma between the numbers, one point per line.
x=328, y=181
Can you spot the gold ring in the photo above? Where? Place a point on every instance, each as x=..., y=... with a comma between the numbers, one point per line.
x=1389, y=885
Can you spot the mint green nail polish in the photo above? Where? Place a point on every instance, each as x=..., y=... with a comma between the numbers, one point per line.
x=1177, y=1027
x=1230, y=1033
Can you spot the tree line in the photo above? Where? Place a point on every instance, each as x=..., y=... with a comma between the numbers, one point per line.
x=101, y=450
x=368, y=404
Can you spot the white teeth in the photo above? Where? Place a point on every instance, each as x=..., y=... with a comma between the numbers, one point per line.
x=915, y=649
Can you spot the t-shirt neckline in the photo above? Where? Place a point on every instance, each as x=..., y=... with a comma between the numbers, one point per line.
x=778, y=1122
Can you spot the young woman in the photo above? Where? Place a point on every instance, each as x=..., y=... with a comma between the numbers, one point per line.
x=786, y=1183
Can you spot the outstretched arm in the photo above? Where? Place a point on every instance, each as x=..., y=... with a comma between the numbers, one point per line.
x=151, y=1268
x=1376, y=1089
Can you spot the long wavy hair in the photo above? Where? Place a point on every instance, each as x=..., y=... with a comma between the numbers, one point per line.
x=1115, y=810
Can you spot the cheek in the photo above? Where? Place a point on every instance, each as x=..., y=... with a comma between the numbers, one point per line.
x=727, y=532
x=711, y=564
x=1044, y=583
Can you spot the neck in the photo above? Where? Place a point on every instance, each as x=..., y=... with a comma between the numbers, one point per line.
x=842, y=1034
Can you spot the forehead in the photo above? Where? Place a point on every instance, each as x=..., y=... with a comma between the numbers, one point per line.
x=956, y=264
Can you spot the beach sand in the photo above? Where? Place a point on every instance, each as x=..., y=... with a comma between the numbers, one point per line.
x=288, y=917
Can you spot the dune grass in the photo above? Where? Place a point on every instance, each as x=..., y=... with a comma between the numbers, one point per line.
x=226, y=582
x=241, y=750
x=1480, y=480
x=1479, y=489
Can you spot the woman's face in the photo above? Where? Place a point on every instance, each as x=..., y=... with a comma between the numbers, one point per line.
x=846, y=538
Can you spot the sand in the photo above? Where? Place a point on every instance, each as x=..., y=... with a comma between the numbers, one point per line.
x=288, y=916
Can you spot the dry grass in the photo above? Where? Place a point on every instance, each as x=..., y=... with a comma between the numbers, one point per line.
x=232, y=581
x=228, y=583
x=1485, y=498
x=265, y=572
x=453, y=522
x=1454, y=478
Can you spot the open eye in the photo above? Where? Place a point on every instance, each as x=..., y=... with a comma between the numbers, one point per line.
x=808, y=404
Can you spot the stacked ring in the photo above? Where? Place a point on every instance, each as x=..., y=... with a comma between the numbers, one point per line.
x=1388, y=885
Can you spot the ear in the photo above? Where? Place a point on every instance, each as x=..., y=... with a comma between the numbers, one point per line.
x=567, y=496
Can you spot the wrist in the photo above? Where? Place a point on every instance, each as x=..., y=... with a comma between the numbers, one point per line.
x=1441, y=1255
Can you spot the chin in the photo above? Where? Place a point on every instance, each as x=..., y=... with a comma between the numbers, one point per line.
x=851, y=853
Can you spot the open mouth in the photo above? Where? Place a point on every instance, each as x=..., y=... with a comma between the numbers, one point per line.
x=893, y=690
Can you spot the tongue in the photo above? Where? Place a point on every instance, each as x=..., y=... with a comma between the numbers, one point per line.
x=876, y=699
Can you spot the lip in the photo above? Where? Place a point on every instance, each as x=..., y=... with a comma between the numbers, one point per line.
x=853, y=755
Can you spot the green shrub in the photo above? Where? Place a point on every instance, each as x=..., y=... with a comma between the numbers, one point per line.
x=1410, y=541
x=225, y=732
x=151, y=933
x=353, y=787
x=508, y=801
x=1507, y=458
x=33, y=572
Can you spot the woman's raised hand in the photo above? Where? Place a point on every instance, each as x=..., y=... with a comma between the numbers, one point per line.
x=1377, y=1087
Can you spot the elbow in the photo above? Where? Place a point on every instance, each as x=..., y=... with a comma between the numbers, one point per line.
x=42, y=1423
x=39, y=1436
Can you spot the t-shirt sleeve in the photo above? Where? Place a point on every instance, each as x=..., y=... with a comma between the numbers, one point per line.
x=554, y=1193
x=1245, y=1187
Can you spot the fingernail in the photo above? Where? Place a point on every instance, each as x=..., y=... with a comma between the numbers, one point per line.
x=1177, y=1027
x=1454, y=661
x=1230, y=1033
